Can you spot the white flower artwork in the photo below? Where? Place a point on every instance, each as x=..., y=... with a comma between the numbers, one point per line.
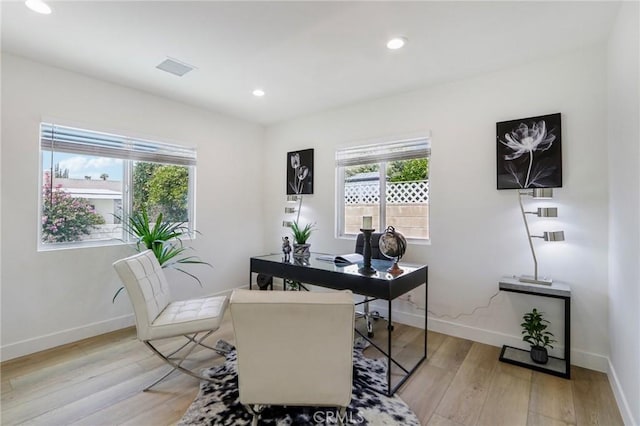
x=300, y=172
x=529, y=153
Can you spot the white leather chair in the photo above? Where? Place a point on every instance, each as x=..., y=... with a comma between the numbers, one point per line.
x=158, y=317
x=294, y=348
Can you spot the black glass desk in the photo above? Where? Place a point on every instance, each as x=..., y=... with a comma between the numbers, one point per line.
x=381, y=285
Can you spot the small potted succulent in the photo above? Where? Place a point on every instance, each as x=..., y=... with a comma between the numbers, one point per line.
x=535, y=333
x=300, y=237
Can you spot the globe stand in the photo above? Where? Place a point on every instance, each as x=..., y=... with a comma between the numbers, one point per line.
x=395, y=269
x=366, y=253
x=393, y=245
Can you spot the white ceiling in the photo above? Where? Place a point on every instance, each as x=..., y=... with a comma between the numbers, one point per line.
x=307, y=56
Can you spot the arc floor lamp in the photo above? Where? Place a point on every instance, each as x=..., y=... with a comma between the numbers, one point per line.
x=538, y=193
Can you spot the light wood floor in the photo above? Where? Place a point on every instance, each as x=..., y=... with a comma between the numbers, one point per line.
x=98, y=381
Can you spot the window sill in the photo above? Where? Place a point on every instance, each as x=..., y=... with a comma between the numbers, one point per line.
x=411, y=241
x=80, y=245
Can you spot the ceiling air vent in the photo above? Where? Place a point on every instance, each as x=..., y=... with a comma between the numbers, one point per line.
x=175, y=67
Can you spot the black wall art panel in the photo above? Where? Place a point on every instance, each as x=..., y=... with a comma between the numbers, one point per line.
x=529, y=152
x=300, y=172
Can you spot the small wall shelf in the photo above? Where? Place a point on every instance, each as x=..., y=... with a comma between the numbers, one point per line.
x=556, y=366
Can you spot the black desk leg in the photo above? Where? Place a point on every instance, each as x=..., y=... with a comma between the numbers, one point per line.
x=567, y=336
x=389, y=331
x=426, y=312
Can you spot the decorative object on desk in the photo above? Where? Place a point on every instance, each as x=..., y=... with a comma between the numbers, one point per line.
x=538, y=193
x=366, y=268
x=164, y=238
x=218, y=401
x=342, y=259
x=286, y=248
x=367, y=222
x=529, y=153
x=300, y=237
x=535, y=333
x=300, y=172
x=264, y=281
x=393, y=245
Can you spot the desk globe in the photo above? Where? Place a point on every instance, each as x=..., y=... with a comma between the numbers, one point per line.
x=393, y=245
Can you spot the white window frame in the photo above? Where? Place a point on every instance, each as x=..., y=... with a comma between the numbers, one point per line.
x=59, y=138
x=377, y=153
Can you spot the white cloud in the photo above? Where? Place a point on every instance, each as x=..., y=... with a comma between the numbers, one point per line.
x=80, y=166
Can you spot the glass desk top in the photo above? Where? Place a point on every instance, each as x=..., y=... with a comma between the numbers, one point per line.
x=313, y=262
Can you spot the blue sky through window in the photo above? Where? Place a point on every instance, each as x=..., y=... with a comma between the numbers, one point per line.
x=84, y=165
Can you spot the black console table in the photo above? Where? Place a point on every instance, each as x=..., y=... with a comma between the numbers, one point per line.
x=556, y=366
x=379, y=285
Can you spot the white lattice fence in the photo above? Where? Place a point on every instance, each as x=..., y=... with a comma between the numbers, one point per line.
x=397, y=192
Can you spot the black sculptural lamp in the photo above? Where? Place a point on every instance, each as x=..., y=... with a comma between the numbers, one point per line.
x=393, y=245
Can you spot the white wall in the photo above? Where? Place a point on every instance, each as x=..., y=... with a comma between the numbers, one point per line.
x=624, y=210
x=477, y=231
x=53, y=297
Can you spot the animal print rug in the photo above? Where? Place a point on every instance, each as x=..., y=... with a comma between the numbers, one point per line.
x=218, y=401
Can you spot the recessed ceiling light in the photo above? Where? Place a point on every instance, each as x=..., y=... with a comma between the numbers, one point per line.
x=258, y=92
x=38, y=6
x=396, y=43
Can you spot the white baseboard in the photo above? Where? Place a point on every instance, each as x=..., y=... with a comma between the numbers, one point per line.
x=48, y=341
x=623, y=404
x=416, y=319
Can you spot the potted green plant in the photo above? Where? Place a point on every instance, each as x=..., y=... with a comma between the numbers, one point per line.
x=164, y=238
x=535, y=333
x=300, y=237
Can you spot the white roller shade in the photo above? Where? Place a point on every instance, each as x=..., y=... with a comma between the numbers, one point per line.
x=67, y=139
x=393, y=151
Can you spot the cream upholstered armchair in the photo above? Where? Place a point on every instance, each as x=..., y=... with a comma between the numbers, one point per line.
x=158, y=317
x=293, y=347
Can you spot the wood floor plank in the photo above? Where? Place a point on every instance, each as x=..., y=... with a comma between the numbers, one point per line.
x=29, y=409
x=552, y=397
x=141, y=404
x=437, y=420
x=537, y=419
x=593, y=399
x=425, y=389
x=451, y=353
x=514, y=370
x=434, y=341
x=482, y=356
x=466, y=395
x=507, y=401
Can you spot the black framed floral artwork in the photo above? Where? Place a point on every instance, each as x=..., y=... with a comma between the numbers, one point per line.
x=300, y=172
x=529, y=152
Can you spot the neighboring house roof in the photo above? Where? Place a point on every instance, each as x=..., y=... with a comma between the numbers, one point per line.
x=94, y=194
x=96, y=189
x=364, y=177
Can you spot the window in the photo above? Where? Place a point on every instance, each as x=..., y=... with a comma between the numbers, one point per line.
x=91, y=180
x=388, y=181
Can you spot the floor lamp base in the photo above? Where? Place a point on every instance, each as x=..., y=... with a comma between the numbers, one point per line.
x=531, y=280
